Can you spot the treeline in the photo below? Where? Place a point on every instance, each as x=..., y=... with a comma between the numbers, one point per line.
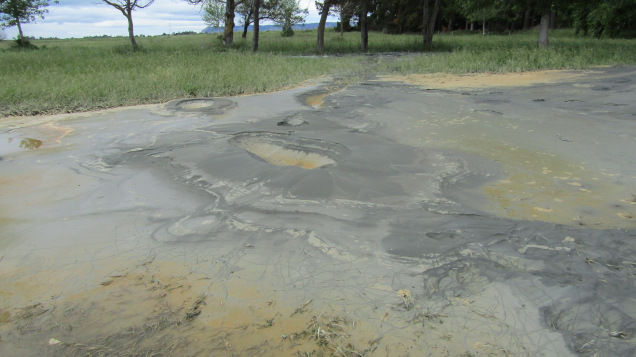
x=597, y=17
x=611, y=18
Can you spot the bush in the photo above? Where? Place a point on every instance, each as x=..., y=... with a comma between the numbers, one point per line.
x=24, y=44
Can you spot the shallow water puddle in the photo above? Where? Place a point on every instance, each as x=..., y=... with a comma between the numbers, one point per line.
x=11, y=143
x=195, y=104
x=316, y=101
x=31, y=138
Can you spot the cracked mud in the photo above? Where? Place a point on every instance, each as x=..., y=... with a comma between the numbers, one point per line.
x=437, y=215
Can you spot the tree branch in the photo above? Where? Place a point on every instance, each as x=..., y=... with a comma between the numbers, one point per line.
x=116, y=6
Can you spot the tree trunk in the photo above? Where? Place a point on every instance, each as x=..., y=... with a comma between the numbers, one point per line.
x=228, y=31
x=483, y=28
x=472, y=26
x=320, y=45
x=341, y=24
x=257, y=7
x=433, y=21
x=526, y=19
x=428, y=26
x=131, y=32
x=543, y=30
x=553, y=20
x=20, y=34
x=450, y=25
x=425, y=17
x=246, y=25
x=364, y=29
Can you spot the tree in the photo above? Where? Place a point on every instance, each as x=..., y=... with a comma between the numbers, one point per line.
x=450, y=13
x=603, y=17
x=228, y=16
x=257, y=10
x=364, y=27
x=323, y=8
x=484, y=10
x=545, y=9
x=126, y=7
x=428, y=22
x=286, y=14
x=212, y=13
x=18, y=12
x=346, y=9
x=246, y=10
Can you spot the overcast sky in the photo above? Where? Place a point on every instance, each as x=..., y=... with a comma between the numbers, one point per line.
x=79, y=18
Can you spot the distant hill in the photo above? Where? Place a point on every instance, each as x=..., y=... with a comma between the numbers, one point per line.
x=311, y=26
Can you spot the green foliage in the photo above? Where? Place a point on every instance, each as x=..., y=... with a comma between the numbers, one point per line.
x=17, y=12
x=213, y=13
x=396, y=16
x=477, y=10
x=287, y=31
x=612, y=17
x=287, y=14
x=24, y=44
x=609, y=18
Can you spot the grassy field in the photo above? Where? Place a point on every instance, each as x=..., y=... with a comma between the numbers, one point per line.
x=86, y=74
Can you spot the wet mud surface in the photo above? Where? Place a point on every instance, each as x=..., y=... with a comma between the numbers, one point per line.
x=393, y=217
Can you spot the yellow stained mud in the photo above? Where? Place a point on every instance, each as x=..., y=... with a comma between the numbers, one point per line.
x=481, y=80
x=277, y=155
x=162, y=307
x=540, y=186
x=544, y=187
x=57, y=131
x=166, y=307
x=30, y=143
x=316, y=101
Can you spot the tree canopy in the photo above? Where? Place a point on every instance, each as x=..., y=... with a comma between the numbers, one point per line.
x=18, y=12
x=601, y=17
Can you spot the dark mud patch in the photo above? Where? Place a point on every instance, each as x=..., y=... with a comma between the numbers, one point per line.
x=292, y=120
x=492, y=101
x=489, y=112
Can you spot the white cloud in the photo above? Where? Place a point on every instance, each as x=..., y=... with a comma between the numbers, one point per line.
x=79, y=18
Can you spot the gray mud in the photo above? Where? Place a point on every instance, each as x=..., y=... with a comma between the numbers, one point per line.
x=382, y=219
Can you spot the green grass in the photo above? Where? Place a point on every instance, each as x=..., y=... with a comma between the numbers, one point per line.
x=86, y=74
